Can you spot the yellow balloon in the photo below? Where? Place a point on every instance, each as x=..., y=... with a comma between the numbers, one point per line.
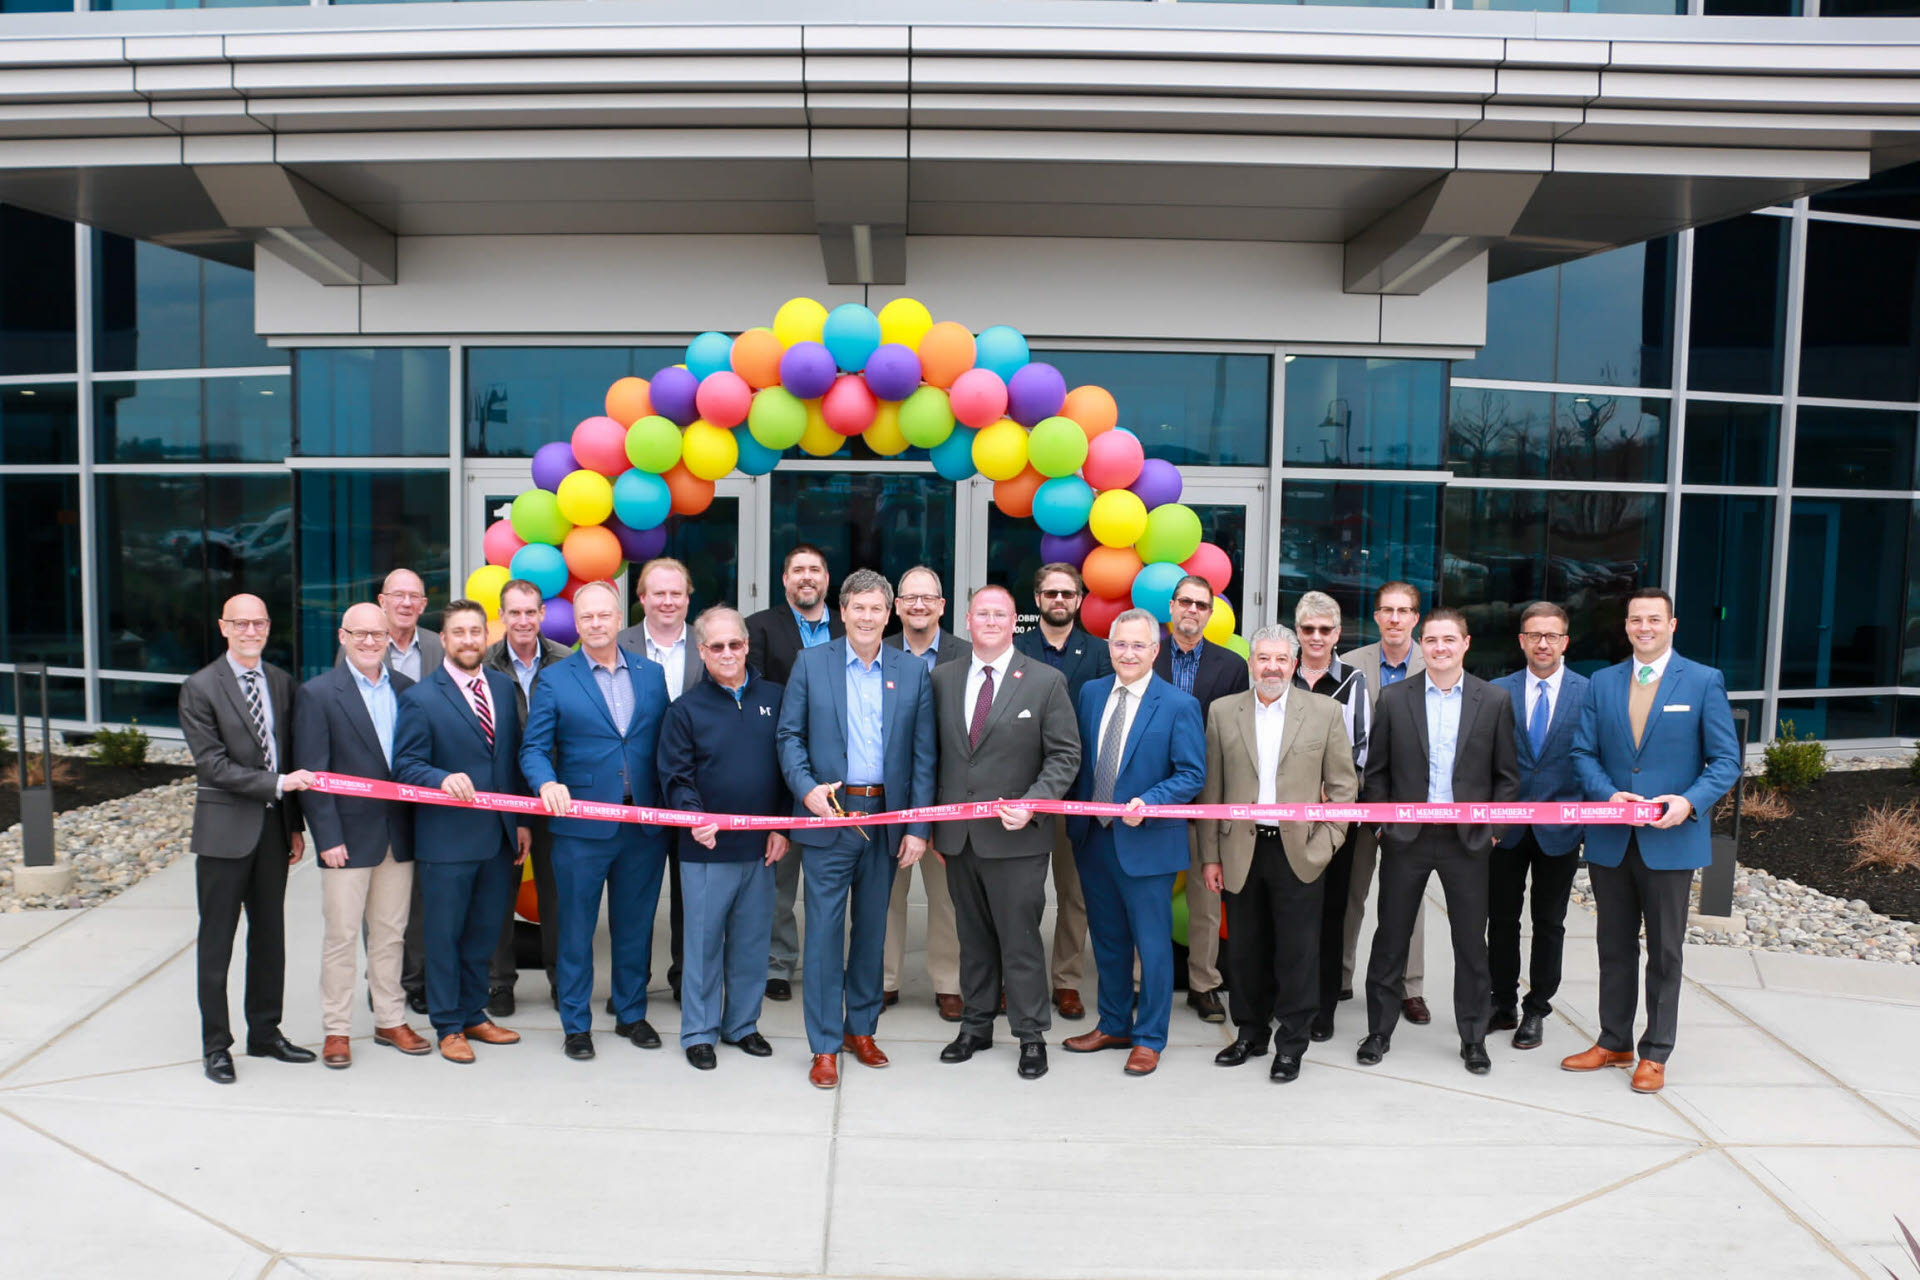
x=884, y=436
x=1220, y=625
x=905, y=321
x=709, y=452
x=483, y=586
x=819, y=439
x=1118, y=517
x=1000, y=450
x=799, y=320
x=586, y=497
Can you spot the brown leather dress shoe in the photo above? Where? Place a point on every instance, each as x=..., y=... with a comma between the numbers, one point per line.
x=951, y=1007
x=403, y=1037
x=888, y=999
x=1067, y=1001
x=1649, y=1076
x=1142, y=1061
x=337, y=1052
x=454, y=1048
x=1595, y=1058
x=865, y=1051
x=1094, y=1041
x=492, y=1033
x=826, y=1071
x=1414, y=1009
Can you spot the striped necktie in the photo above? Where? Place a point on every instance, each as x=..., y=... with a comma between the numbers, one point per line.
x=251, y=680
x=480, y=707
x=1106, y=767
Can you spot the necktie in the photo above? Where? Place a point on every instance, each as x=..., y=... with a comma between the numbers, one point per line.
x=251, y=680
x=1106, y=769
x=1646, y=675
x=1537, y=722
x=479, y=687
x=982, y=703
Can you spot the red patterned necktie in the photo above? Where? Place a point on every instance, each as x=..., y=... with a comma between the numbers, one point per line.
x=982, y=703
x=479, y=687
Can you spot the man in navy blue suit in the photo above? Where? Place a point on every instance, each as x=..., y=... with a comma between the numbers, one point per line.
x=592, y=727
x=856, y=733
x=456, y=731
x=1656, y=727
x=1548, y=700
x=1143, y=739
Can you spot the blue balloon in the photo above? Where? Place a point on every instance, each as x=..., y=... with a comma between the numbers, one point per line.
x=1153, y=588
x=541, y=565
x=1002, y=349
x=641, y=499
x=1060, y=506
x=953, y=457
x=755, y=458
x=709, y=353
x=852, y=333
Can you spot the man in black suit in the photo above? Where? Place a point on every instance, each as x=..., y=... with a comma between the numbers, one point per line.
x=237, y=715
x=1442, y=737
x=775, y=637
x=1069, y=648
x=1208, y=671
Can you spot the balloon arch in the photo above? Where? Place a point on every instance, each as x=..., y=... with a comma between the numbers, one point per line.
x=976, y=404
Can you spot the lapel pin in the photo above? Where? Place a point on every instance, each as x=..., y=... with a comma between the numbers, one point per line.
x=889, y=684
x=1018, y=674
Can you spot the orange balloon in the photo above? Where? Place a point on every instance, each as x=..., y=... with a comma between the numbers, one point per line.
x=496, y=630
x=1093, y=408
x=1015, y=497
x=691, y=494
x=629, y=400
x=756, y=357
x=945, y=353
x=592, y=552
x=1110, y=571
x=526, y=900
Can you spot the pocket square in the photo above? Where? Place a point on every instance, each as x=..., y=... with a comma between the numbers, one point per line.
x=1024, y=714
x=1677, y=706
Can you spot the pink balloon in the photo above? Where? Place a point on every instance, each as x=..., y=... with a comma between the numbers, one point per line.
x=1114, y=459
x=1211, y=563
x=501, y=542
x=600, y=444
x=723, y=399
x=849, y=407
x=979, y=398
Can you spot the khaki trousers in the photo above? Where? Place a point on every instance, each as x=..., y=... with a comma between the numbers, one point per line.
x=1366, y=852
x=382, y=897
x=1203, y=923
x=943, y=940
x=1069, y=962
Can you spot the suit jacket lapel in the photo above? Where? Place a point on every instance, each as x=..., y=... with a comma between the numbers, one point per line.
x=1150, y=701
x=1296, y=710
x=230, y=688
x=890, y=660
x=1417, y=707
x=1670, y=681
x=1248, y=727
x=1471, y=692
x=582, y=672
x=1003, y=693
x=348, y=691
x=459, y=700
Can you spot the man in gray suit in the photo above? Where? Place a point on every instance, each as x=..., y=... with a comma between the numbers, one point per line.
x=1391, y=659
x=919, y=605
x=1007, y=732
x=237, y=715
x=411, y=651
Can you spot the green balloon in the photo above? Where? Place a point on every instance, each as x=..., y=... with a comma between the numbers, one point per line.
x=777, y=418
x=926, y=417
x=1240, y=646
x=1057, y=447
x=1173, y=534
x=536, y=518
x=653, y=444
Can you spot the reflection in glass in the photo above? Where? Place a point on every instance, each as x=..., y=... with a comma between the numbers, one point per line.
x=1534, y=434
x=1604, y=321
x=1730, y=443
x=1347, y=538
x=1365, y=412
x=193, y=420
x=40, y=592
x=709, y=545
x=1846, y=580
x=66, y=700
x=1579, y=6
x=151, y=702
x=1725, y=584
x=1753, y=9
x=1520, y=325
x=36, y=294
x=355, y=528
x=1868, y=9
x=1190, y=408
x=1859, y=338
x=1853, y=448
x=885, y=521
x=1864, y=717
x=1498, y=433
x=371, y=402
x=39, y=424
x=161, y=308
x=519, y=398
x=1738, y=327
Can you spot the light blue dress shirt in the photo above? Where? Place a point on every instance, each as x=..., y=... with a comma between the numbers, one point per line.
x=382, y=708
x=524, y=672
x=616, y=686
x=1443, y=733
x=813, y=633
x=866, y=765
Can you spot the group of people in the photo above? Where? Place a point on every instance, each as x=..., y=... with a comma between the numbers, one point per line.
x=803, y=709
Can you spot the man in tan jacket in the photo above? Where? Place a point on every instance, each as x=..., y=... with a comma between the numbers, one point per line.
x=1274, y=744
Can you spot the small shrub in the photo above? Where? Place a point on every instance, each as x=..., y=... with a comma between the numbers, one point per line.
x=1913, y=764
x=64, y=772
x=1758, y=803
x=1794, y=763
x=122, y=748
x=1886, y=838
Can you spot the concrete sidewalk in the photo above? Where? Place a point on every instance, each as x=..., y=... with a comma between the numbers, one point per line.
x=1785, y=1144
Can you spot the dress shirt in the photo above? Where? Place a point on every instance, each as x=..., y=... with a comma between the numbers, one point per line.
x=382, y=707
x=739, y=692
x=976, y=673
x=932, y=655
x=1659, y=666
x=813, y=633
x=1269, y=726
x=1393, y=673
x=671, y=656
x=866, y=763
x=524, y=672
x=464, y=680
x=1443, y=733
x=1135, y=692
x=1186, y=666
x=266, y=703
x=1553, y=694
x=406, y=661
x=616, y=687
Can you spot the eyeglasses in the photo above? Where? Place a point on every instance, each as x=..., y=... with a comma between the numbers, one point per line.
x=991, y=615
x=1541, y=637
x=1131, y=646
x=1068, y=593
x=246, y=624
x=360, y=637
x=1316, y=631
x=919, y=599
x=726, y=646
x=1397, y=611
x=1188, y=602
x=405, y=595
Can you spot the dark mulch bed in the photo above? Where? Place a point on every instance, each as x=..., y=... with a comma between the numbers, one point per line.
x=92, y=784
x=1811, y=846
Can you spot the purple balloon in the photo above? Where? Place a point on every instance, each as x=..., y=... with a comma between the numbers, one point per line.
x=1035, y=391
x=638, y=545
x=893, y=372
x=807, y=370
x=558, y=625
x=553, y=463
x=1072, y=549
x=672, y=391
x=1159, y=483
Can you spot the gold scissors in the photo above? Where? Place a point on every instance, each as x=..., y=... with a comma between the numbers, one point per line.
x=833, y=798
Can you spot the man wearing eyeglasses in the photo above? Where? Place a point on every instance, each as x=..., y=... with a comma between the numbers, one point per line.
x=1198, y=666
x=1548, y=700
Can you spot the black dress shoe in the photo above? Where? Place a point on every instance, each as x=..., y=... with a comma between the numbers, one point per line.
x=1372, y=1049
x=500, y=1002
x=753, y=1044
x=609, y=1004
x=1531, y=1032
x=1239, y=1051
x=1505, y=1018
x=220, y=1067
x=1285, y=1070
x=779, y=989
x=1346, y=993
x=701, y=1056
x=1033, y=1060
x=641, y=1033
x=553, y=994
x=416, y=1001
x=281, y=1048
x=1322, y=1029
x=1474, y=1054
x=580, y=1045
x=964, y=1046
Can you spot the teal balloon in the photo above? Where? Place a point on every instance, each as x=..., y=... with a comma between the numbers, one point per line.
x=1060, y=506
x=851, y=334
x=953, y=457
x=541, y=565
x=755, y=458
x=1153, y=588
x=1003, y=349
x=641, y=499
x=709, y=353
x=1173, y=533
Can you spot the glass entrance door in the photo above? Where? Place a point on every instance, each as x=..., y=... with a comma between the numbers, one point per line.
x=887, y=517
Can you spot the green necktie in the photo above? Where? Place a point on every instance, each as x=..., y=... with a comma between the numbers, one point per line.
x=1646, y=675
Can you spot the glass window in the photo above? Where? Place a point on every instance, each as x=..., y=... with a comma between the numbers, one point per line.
x=709, y=545
x=1189, y=408
x=1860, y=340
x=885, y=521
x=1910, y=638
x=1346, y=538
x=1868, y=9
x=1363, y=412
x=1892, y=193
x=173, y=548
x=1520, y=323
x=66, y=700
x=1726, y=583
x=1606, y=320
x=1846, y=581
x=39, y=424
x=519, y=398
x=1579, y=6
x=1747, y=726
x=1869, y=717
x=191, y=4
x=1498, y=433
x=1853, y=449
x=1753, y=9
x=36, y=6
x=40, y=592
x=193, y=420
x=355, y=527
x=1535, y=434
x=37, y=319
x=1730, y=443
x=1738, y=327
x=151, y=702
x=160, y=308
x=358, y=402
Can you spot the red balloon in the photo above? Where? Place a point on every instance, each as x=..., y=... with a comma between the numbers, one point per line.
x=1098, y=612
x=723, y=399
x=979, y=398
x=848, y=407
x=1114, y=459
x=1211, y=563
x=1015, y=497
x=573, y=585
